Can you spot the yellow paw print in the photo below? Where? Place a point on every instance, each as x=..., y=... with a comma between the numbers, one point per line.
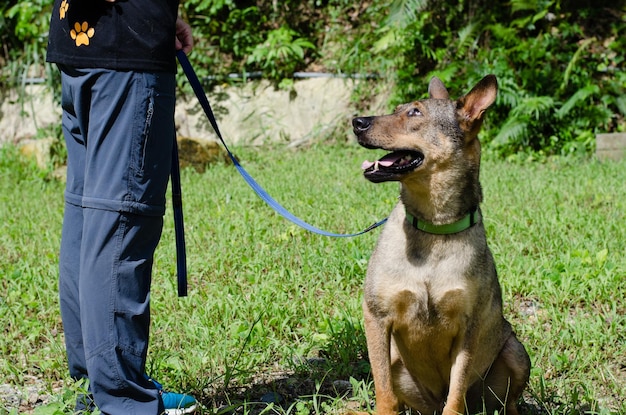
x=63, y=9
x=82, y=33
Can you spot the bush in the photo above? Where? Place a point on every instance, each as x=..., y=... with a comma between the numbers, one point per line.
x=23, y=37
x=560, y=73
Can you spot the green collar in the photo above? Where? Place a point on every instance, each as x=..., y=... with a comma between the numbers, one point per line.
x=464, y=223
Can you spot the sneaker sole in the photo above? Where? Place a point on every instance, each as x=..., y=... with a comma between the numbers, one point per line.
x=181, y=411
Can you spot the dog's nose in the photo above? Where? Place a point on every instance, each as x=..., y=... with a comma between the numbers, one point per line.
x=361, y=124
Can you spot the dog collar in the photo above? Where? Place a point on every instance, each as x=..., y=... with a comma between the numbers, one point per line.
x=464, y=223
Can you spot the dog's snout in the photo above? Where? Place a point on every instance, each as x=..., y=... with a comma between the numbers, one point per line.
x=361, y=124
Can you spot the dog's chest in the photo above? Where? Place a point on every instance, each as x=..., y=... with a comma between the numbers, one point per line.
x=431, y=292
x=419, y=304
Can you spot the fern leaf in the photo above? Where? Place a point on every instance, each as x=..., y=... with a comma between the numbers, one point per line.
x=403, y=12
x=579, y=96
x=523, y=5
x=514, y=130
x=534, y=107
x=509, y=93
x=467, y=38
x=621, y=104
x=389, y=39
x=572, y=62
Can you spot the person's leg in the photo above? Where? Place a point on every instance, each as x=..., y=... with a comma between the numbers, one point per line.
x=129, y=136
x=115, y=308
x=69, y=256
x=127, y=171
x=69, y=300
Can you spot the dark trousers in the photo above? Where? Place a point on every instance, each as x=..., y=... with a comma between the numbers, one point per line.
x=119, y=130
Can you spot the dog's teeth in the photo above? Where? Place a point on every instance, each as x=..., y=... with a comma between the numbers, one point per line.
x=376, y=165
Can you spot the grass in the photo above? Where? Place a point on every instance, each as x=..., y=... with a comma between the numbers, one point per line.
x=274, y=311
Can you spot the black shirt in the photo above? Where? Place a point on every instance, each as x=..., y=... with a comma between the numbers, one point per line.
x=125, y=35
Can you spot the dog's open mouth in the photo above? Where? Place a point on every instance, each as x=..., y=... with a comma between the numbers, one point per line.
x=392, y=165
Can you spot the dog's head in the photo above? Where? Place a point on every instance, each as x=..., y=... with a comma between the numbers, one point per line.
x=427, y=135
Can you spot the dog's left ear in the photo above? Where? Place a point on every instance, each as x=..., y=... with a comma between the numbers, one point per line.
x=472, y=106
x=437, y=90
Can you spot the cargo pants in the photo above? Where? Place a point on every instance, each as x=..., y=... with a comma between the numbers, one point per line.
x=119, y=130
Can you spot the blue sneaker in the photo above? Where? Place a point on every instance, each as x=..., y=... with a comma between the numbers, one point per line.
x=175, y=403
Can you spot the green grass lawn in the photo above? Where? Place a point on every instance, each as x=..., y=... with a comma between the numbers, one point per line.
x=273, y=308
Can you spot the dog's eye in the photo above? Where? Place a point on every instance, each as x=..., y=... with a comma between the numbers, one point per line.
x=414, y=112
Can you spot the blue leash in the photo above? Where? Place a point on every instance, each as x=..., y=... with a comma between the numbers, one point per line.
x=204, y=102
x=176, y=192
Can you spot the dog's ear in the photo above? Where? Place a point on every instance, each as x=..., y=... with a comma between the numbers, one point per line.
x=472, y=106
x=437, y=90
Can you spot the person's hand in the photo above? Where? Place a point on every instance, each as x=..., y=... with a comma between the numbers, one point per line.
x=184, y=39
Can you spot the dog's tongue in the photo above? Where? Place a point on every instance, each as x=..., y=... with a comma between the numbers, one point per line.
x=386, y=161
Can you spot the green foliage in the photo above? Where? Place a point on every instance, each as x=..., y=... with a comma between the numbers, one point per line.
x=275, y=38
x=281, y=53
x=29, y=17
x=23, y=28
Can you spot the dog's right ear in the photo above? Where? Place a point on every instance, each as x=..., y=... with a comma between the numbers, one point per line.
x=472, y=106
x=437, y=90
x=474, y=103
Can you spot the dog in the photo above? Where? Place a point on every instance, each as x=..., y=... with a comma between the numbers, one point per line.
x=436, y=337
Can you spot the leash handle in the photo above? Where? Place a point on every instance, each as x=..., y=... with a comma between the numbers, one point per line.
x=179, y=227
x=262, y=193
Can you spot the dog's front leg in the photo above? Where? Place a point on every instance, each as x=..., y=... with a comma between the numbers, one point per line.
x=459, y=383
x=378, y=336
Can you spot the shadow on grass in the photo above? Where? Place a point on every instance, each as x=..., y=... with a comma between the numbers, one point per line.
x=313, y=388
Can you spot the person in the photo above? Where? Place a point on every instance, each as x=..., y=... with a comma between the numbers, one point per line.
x=117, y=61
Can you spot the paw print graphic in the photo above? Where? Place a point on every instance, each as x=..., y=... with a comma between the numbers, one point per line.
x=63, y=9
x=81, y=33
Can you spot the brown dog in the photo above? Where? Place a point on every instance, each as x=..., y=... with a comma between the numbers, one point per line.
x=436, y=337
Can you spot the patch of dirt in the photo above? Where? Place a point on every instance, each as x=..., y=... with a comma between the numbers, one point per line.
x=26, y=398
